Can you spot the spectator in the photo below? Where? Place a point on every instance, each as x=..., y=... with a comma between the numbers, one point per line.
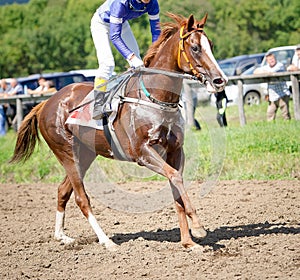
x=110, y=25
x=43, y=87
x=278, y=92
x=2, y=121
x=295, y=66
x=221, y=104
x=190, y=100
x=15, y=88
x=46, y=87
x=50, y=87
x=3, y=89
x=10, y=109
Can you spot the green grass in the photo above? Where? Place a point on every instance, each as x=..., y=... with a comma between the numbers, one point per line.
x=263, y=151
x=259, y=150
x=42, y=166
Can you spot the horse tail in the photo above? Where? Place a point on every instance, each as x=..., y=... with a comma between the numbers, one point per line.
x=27, y=135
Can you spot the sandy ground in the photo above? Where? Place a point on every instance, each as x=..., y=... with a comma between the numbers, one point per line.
x=253, y=233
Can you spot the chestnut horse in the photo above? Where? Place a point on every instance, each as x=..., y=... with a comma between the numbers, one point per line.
x=148, y=121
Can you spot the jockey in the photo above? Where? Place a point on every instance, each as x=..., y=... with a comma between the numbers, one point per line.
x=110, y=23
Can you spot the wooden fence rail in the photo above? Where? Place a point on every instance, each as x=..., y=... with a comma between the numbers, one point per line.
x=294, y=77
x=19, y=100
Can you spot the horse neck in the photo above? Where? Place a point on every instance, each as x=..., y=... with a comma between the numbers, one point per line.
x=167, y=88
x=166, y=57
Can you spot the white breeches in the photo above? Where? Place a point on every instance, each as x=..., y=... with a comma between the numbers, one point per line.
x=100, y=34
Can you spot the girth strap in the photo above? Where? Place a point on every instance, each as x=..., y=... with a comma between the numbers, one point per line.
x=113, y=140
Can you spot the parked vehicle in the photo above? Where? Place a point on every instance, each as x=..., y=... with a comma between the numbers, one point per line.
x=253, y=93
x=238, y=64
x=283, y=54
x=59, y=80
x=88, y=73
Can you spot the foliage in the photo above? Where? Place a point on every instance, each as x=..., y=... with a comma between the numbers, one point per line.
x=54, y=35
x=255, y=26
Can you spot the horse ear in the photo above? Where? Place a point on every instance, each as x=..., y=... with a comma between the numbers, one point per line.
x=190, y=23
x=202, y=22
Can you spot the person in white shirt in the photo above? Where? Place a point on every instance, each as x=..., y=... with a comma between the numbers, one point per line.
x=279, y=94
x=295, y=66
x=42, y=88
x=15, y=88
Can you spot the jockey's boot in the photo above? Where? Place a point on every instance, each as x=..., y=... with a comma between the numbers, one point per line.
x=100, y=98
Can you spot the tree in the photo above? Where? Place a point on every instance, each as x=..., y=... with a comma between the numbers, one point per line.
x=54, y=35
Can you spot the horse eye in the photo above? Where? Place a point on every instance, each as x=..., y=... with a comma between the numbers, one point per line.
x=195, y=48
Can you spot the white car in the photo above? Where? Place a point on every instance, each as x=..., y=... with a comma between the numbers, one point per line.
x=283, y=54
x=254, y=93
x=239, y=65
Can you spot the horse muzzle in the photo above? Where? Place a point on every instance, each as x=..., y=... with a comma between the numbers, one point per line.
x=216, y=85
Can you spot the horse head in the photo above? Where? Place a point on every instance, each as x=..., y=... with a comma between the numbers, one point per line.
x=195, y=55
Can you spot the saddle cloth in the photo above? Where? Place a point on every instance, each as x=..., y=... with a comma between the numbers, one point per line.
x=83, y=115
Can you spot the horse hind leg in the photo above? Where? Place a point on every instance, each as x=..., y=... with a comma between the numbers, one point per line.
x=76, y=165
x=64, y=193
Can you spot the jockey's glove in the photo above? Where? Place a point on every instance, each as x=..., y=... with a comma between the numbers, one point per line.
x=135, y=62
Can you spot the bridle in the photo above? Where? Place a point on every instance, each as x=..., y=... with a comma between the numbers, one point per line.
x=182, y=52
x=166, y=106
x=201, y=77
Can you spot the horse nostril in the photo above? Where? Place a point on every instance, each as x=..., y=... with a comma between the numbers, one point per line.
x=218, y=82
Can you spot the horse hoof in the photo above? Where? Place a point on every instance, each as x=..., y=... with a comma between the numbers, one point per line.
x=196, y=248
x=193, y=247
x=64, y=239
x=111, y=246
x=199, y=232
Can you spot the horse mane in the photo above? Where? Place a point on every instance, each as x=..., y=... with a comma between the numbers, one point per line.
x=168, y=29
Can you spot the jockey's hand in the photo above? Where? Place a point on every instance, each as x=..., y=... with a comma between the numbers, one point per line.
x=135, y=62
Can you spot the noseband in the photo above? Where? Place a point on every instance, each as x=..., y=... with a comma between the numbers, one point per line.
x=181, y=51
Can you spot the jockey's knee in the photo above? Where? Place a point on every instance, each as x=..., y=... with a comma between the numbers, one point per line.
x=106, y=70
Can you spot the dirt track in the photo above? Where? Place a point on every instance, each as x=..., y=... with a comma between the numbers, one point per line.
x=253, y=233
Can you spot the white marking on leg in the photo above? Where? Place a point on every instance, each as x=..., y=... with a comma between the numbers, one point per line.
x=59, y=229
x=103, y=239
x=98, y=230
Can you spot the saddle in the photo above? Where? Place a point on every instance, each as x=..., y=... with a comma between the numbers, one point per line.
x=82, y=114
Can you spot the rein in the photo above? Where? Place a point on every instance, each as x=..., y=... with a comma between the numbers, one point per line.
x=160, y=104
x=182, y=52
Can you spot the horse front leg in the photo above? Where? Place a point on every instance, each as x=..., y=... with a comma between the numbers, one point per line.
x=152, y=160
x=185, y=208
x=183, y=203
